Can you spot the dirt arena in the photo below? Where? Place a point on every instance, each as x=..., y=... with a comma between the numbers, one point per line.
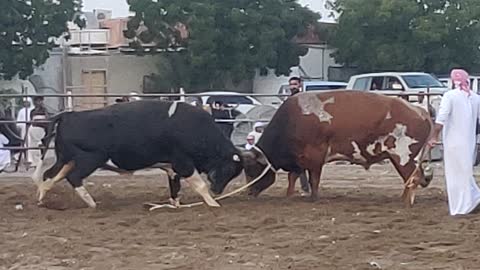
x=359, y=223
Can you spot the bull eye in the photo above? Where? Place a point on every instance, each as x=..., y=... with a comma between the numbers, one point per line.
x=236, y=158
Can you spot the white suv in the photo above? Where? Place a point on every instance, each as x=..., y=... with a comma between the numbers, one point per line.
x=401, y=83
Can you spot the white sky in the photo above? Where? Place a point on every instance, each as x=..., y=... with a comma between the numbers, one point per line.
x=315, y=5
x=120, y=7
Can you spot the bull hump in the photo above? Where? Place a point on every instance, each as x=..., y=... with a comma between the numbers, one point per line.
x=313, y=105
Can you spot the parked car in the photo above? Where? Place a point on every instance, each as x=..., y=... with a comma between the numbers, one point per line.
x=401, y=83
x=323, y=85
x=474, y=82
x=242, y=104
x=315, y=86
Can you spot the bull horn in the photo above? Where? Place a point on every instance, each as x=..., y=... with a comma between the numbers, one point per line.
x=248, y=154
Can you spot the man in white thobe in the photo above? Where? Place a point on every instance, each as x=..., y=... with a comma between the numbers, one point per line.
x=5, y=156
x=36, y=131
x=457, y=117
x=24, y=115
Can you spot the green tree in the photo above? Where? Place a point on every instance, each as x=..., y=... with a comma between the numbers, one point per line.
x=402, y=35
x=28, y=29
x=226, y=39
x=7, y=104
x=173, y=72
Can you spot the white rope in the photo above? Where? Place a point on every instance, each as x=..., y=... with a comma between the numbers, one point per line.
x=264, y=172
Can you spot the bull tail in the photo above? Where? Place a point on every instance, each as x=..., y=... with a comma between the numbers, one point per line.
x=50, y=132
x=426, y=147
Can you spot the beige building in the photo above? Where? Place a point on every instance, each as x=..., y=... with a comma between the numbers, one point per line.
x=96, y=60
x=110, y=72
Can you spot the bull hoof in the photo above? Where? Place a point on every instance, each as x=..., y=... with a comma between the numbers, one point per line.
x=253, y=194
x=40, y=196
x=290, y=194
x=92, y=206
x=304, y=193
x=212, y=203
x=175, y=202
x=42, y=204
x=313, y=198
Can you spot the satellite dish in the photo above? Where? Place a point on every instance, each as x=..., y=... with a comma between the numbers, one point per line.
x=262, y=113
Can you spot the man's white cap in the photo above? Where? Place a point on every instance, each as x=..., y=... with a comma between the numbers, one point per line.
x=258, y=124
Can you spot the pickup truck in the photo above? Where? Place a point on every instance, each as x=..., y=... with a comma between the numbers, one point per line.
x=404, y=84
x=474, y=82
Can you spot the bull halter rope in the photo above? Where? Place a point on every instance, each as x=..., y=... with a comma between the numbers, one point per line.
x=408, y=194
x=238, y=190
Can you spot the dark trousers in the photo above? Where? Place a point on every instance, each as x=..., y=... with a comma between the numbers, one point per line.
x=226, y=128
x=304, y=182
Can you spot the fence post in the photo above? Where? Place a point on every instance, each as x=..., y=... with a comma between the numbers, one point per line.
x=69, y=106
x=182, y=92
x=25, y=128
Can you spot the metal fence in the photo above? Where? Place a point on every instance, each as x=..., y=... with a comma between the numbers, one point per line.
x=68, y=101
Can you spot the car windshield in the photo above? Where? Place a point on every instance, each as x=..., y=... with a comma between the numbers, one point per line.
x=422, y=81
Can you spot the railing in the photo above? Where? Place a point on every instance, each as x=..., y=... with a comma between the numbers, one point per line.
x=69, y=97
x=88, y=37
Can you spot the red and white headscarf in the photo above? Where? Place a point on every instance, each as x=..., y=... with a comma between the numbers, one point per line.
x=460, y=80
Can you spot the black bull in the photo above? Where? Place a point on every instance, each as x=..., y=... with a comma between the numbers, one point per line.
x=182, y=139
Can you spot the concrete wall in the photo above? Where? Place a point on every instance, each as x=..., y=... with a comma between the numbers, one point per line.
x=48, y=79
x=124, y=72
x=49, y=75
x=317, y=61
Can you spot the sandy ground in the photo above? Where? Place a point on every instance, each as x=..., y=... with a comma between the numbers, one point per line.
x=359, y=223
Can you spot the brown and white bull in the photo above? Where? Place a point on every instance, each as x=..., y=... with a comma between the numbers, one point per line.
x=312, y=129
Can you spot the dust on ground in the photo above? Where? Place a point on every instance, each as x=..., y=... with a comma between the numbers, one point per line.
x=359, y=222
